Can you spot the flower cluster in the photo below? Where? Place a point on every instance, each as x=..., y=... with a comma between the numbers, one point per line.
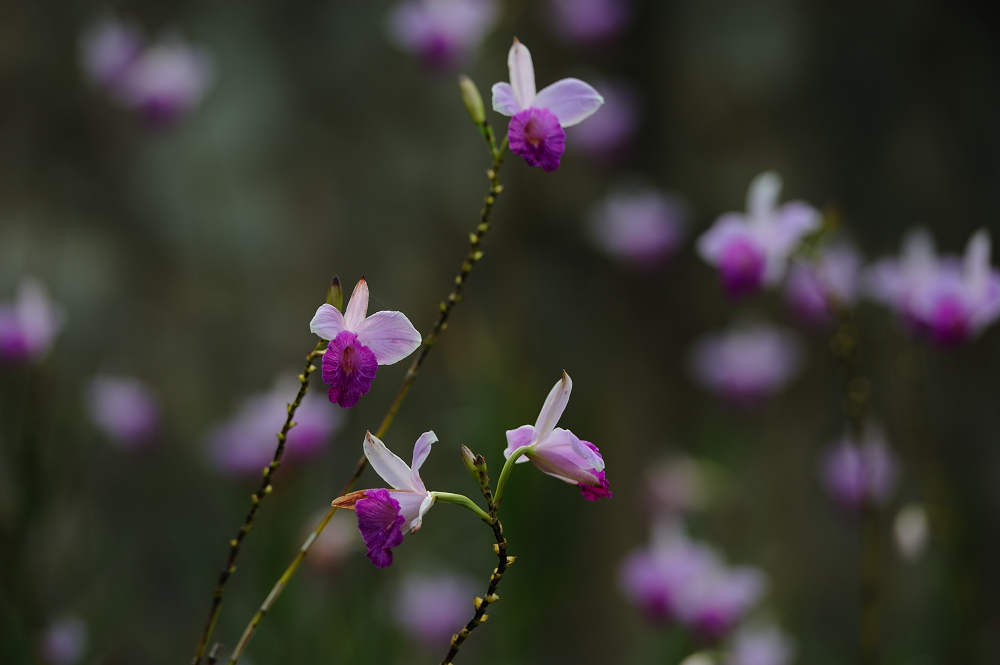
x=946, y=299
x=29, y=325
x=161, y=82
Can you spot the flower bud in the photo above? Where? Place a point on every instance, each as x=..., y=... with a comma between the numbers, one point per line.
x=469, y=459
x=335, y=294
x=473, y=100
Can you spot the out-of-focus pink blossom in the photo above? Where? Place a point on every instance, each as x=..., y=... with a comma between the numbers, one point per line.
x=538, y=119
x=337, y=541
x=29, y=325
x=857, y=474
x=161, y=82
x=675, y=579
x=760, y=645
x=433, y=608
x=125, y=409
x=64, y=642
x=751, y=250
x=746, y=364
x=608, y=135
x=442, y=33
x=642, y=229
x=814, y=289
x=949, y=300
x=590, y=22
x=246, y=443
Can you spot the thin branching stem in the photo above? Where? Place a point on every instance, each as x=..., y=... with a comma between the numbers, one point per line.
x=445, y=308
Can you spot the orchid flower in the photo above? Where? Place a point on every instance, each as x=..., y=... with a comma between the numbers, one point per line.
x=384, y=515
x=536, y=126
x=358, y=345
x=751, y=250
x=556, y=451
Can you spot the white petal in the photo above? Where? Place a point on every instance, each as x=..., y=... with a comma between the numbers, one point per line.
x=571, y=100
x=357, y=307
x=387, y=465
x=522, y=75
x=762, y=197
x=327, y=322
x=389, y=335
x=425, y=506
x=503, y=99
x=421, y=449
x=976, y=264
x=553, y=407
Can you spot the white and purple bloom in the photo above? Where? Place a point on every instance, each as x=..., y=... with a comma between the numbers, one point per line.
x=862, y=474
x=643, y=229
x=537, y=120
x=433, y=608
x=108, y=50
x=359, y=344
x=815, y=289
x=746, y=364
x=751, y=250
x=442, y=33
x=557, y=451
x=29, y=325
x=64, y=642
x=245, y=444
x=125, y=409
x=760, y=645
x=590, y=22
x=949, y=300
x=385, y=515
x=608, y=135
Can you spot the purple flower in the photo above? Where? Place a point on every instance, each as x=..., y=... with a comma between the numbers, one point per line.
x=752, y=250
x=125, y=409
x=813, y=290
x=558, y=452
x=384, y=515
x=760, y=645
x=166, y=82
x=433, y=608
x=609, y=134
x=64, y=642
x=442, y=33
x=642, y=229
x=947, y=300
x=676, y=579
x=29, y=325
x=590, y=22
x=246, y=443
x=856, y=475
x=108, y=50
x=358, y=345
x=745, y=365
x=536, y=127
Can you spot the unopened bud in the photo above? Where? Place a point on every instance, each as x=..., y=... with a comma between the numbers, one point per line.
x=473, y=100
x=335, y=294
x=469, y=459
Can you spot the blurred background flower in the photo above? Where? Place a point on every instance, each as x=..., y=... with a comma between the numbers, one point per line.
x=641, y=229
x=444, y=34
x=432, y=608
x=124, y=409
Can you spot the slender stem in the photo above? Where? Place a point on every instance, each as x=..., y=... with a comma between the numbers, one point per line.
x=445, y=308
x=505, y=472
x=255, y=500
x=464, y=501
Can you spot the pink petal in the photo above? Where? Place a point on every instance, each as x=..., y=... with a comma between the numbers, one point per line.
x=570, y=100
x=388, y=465
x=328, y=322
x=518, y=438
x=503, y=99
x=522, y=75
x=389, y=335
x=357, y=308
x=553, y=407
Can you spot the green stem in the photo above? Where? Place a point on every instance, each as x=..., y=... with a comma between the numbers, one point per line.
x=505, y=473
x=445, y=308
x=464, y=501
x=256, y=498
